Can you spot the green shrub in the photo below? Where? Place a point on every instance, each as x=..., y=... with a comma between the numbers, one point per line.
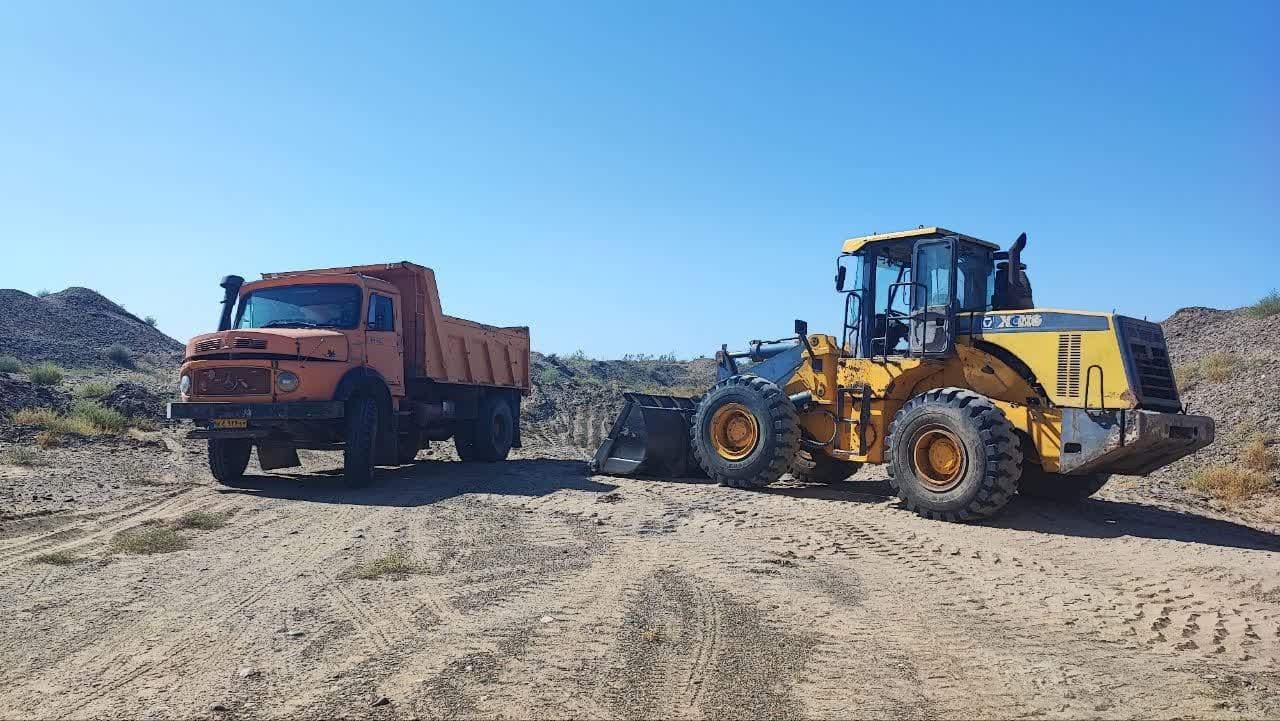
x=57, y=558
x=148, y=540
x=9, y=364
x=1268, y=306
x=45, y=374
x=20, y=456
x=42, y=293
x=93, y=390
x=548, y=376
x=99, y=416
x=120, y=354
x=202, y=520
x=150, y=320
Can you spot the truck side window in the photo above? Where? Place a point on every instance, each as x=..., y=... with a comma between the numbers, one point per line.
x=381, y=315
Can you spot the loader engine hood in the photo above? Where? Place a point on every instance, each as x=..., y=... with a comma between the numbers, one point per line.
x=315, y=344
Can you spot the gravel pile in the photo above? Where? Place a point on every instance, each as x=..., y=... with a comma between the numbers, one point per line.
x=17, y=393
x=135, y=401
x=1247, y=401
x=75, y=327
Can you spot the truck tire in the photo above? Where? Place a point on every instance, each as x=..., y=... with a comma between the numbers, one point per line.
x=745, y=433
x=953, y=456
x=228, y=458
x=360, y=440
x=1039, y=483
x=488, y=439
x=817, y=467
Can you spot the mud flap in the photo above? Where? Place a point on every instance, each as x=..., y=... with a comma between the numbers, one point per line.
x=273, y=457
x=649, y=438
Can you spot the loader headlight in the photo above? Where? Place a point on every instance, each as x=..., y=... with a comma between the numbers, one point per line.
x=286, y=382
x=184, y=386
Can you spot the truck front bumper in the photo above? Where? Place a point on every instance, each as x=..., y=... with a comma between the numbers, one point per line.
x=299, y=410
x=1129, y=442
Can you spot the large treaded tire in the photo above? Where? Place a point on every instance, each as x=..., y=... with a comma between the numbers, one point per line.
x=228, y=457
x=1038, y=483
x=360, y=440
x=778, y=432
x=992, y=455
x=489, y=437
x=817, y=467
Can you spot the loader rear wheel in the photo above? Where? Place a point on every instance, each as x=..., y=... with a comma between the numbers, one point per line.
x=745, y=432
x=1039, y=483
x=953, y=456
x=818, y=467
x=228, y=457
x=488, y=439
x=360, y=440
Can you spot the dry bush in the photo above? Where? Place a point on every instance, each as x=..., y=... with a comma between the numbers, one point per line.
x=1267, y=306
x=1256, y=455
x=20, y=456
x=46, y=439
x=1218, y=367
x=93, y=390
x=148, y=540
x=396, y=563
x=202, y=520
x=45, y=374
x=1230, y=483
x=57, y=558
x=99, y=416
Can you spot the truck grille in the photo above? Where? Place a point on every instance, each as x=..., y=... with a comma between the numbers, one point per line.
x=205, y=346
x=1069, y=365
x=233, y=382
x=255, y=343
x=1148, y=357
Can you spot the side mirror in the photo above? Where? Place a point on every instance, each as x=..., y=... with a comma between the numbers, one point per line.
x=840, y=273
x=802, y=328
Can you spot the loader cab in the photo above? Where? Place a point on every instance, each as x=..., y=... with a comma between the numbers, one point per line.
x=904, y=290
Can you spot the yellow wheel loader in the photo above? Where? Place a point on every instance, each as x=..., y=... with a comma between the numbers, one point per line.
x=945, y=372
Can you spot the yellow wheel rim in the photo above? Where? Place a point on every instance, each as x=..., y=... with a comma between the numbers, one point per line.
x=938, y=458
x=734, y=431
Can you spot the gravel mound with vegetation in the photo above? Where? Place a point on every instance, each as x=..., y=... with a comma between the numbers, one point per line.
x=78, y=328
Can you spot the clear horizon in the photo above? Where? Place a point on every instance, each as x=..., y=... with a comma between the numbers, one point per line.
x=625, y=178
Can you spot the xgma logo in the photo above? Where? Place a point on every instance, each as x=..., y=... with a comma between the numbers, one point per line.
x=1000, y=322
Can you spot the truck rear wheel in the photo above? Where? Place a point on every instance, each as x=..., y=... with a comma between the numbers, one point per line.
x=953, y=456
x=745, y=432
x=487, y=439
x=228, y=458
x=360, y=440
x=817, y=467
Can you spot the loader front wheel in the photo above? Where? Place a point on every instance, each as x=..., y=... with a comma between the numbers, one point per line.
x=745, y=432
x=818, y=467
x=228, y=457
x=953, y=456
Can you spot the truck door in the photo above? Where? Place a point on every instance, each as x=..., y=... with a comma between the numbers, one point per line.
x=383, y=350
x=933, y=298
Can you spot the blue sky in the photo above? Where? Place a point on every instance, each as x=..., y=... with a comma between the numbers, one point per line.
x=636, y=177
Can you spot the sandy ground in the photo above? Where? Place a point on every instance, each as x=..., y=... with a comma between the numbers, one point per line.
x=544, y=592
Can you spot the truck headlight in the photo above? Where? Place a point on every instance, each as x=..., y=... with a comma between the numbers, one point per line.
x=286, y=382
x=184, y=386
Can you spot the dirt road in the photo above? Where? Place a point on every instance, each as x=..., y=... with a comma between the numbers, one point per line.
x=544, y=592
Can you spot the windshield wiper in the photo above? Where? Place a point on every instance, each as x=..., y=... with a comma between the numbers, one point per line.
x=289, y=324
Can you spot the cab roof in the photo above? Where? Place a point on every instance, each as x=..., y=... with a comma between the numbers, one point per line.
x=853, y=245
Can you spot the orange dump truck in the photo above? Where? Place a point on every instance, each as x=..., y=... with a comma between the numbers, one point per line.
x=359, y=359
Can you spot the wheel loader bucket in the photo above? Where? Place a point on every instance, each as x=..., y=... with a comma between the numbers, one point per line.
x=650, y=438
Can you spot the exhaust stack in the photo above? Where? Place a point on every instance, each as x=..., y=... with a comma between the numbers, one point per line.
x=231, y=290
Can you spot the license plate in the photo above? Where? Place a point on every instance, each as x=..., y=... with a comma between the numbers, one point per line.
x=230, y=423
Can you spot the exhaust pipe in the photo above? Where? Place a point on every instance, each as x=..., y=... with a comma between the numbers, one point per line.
x=231, y=291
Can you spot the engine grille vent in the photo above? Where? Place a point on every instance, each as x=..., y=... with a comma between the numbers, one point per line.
x=1150, y=357
x=256, y=343
x=1069, y=365
x=233, y=382
x=205, y=346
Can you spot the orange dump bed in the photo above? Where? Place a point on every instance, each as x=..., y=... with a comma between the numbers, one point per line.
x=441, y=347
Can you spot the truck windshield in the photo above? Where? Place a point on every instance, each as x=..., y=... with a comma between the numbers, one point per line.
x=328, y=305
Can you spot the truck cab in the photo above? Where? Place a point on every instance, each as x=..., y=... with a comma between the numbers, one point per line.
x=299, y=355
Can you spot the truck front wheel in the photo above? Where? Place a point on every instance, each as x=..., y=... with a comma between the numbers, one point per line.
x=360, y=440
x=228, y=458
x=488, y=438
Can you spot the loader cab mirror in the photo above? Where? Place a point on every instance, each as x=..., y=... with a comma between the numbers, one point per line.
x=841, y=271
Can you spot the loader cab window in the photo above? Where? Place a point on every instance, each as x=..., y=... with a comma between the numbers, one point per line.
x=381, y=313
x=975, y=277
